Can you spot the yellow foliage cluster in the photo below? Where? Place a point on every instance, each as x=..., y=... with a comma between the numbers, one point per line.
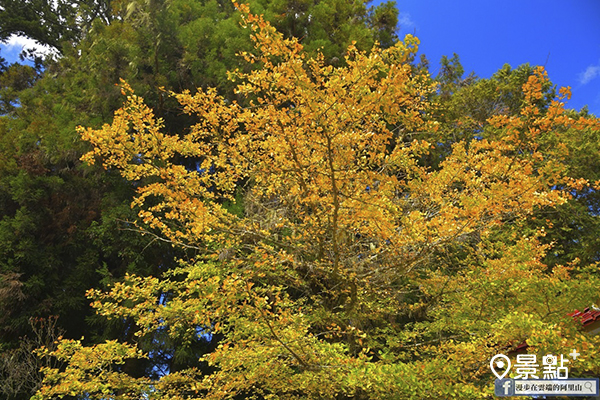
x=357, y=269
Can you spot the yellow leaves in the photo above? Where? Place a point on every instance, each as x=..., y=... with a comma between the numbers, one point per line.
x=475, y=189
x=533, y=87
x=350, y=225
x=91, y=370
x=565, y=92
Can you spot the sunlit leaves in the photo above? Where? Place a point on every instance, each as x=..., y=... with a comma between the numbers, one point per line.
x=356, y=267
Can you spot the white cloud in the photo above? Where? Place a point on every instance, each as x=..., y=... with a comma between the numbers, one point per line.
x=13, y=46
x=20, y=41
x=405, y=21
x=591, y=72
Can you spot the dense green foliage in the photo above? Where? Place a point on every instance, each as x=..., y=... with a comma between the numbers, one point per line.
x=56, y=24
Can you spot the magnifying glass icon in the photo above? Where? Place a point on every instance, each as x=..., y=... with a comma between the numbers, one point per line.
x=589, y=386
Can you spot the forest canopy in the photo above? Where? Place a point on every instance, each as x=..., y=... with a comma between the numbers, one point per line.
x=325, y=221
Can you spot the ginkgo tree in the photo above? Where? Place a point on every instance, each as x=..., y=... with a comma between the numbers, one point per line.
x=332, y=261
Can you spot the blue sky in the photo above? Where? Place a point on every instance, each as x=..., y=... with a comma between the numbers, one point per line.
x=563, y=35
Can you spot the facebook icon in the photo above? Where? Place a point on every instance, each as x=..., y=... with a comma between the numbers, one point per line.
x=503, y=387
